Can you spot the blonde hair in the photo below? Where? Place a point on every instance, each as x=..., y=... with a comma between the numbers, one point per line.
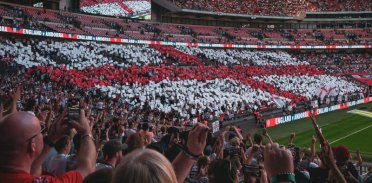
x=144, y=166
x=235, y=141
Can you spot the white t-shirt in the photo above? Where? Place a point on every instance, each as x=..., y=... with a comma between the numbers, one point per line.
x=129, y=132
x=57, y=165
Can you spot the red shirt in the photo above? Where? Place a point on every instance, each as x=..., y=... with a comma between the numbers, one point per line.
x=23, y=177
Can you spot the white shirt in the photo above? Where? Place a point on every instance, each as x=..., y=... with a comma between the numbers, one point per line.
x=57, y=165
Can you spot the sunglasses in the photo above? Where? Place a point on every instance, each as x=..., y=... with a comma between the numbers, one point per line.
x=42, y=131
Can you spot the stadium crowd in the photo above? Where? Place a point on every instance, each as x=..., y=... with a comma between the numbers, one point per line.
x=214, y=83
x=133, y=128
x=44, y=141
x=274, y=8
x=116, y=8
x=336, y=63
x=80, y=111
x=76, y=23
x=262, y=7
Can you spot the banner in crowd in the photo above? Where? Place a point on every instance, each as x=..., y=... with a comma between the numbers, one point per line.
x=170, y=43
x=279, y=101
x=285, y=119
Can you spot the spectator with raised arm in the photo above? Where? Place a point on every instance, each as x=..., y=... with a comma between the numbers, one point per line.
x=24, y=154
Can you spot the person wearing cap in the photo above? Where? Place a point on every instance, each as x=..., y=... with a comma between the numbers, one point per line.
x=112, y=152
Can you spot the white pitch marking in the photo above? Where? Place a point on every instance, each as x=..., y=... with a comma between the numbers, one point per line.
x=350, y=134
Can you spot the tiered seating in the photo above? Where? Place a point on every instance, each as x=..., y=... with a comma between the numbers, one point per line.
x=274, y=8
x=138, y=35
x=169, y=28
x=340, y=63
x=65, y=28
x=273, y=34
x=180, y=57
x=205, y=30
x=113, y=27
x=206, y=79
x=43, y=14
x=92, y=21
x=362, y=33
x=239, y=32
x=346, y=5
x=329, y=33
x=101, y=32
x=5, y=11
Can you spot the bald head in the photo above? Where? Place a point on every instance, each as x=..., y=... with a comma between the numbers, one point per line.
x=20, y=141
x=15, y=129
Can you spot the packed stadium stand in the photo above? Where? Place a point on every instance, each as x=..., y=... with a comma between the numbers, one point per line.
x=263, y=70
x=81, y=63
x=123, y=100
x=116, y=8
x=274, y=8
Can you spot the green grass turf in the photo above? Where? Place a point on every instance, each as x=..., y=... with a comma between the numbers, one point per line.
x=334, y=125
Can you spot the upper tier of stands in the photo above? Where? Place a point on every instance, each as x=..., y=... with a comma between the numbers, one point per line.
x=274, y=8
x=60, y=21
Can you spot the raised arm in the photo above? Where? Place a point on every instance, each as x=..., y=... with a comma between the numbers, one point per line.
x=249, y=138
x=57, y=130
x=329, y=161
x=49, y=118
x=15, y=96
x=359, y=157
x=250, y=156
x=266, y=134
x=195, y=144
x=218, y=145
x=87, y=152
x=312, y=147
x=291, y=138
x=327, y=154
x=238, y=133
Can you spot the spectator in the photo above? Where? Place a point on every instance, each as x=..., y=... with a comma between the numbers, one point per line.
x=99, y=176
x=135, y=141
x=136, y=167
x=23, y=154
x=112, y=152
x=57, y=165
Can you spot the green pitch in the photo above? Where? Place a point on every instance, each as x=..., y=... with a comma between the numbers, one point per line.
x=351, y=127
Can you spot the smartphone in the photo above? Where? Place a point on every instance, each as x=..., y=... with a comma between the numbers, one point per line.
x=73, y=106
x=251, y=170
